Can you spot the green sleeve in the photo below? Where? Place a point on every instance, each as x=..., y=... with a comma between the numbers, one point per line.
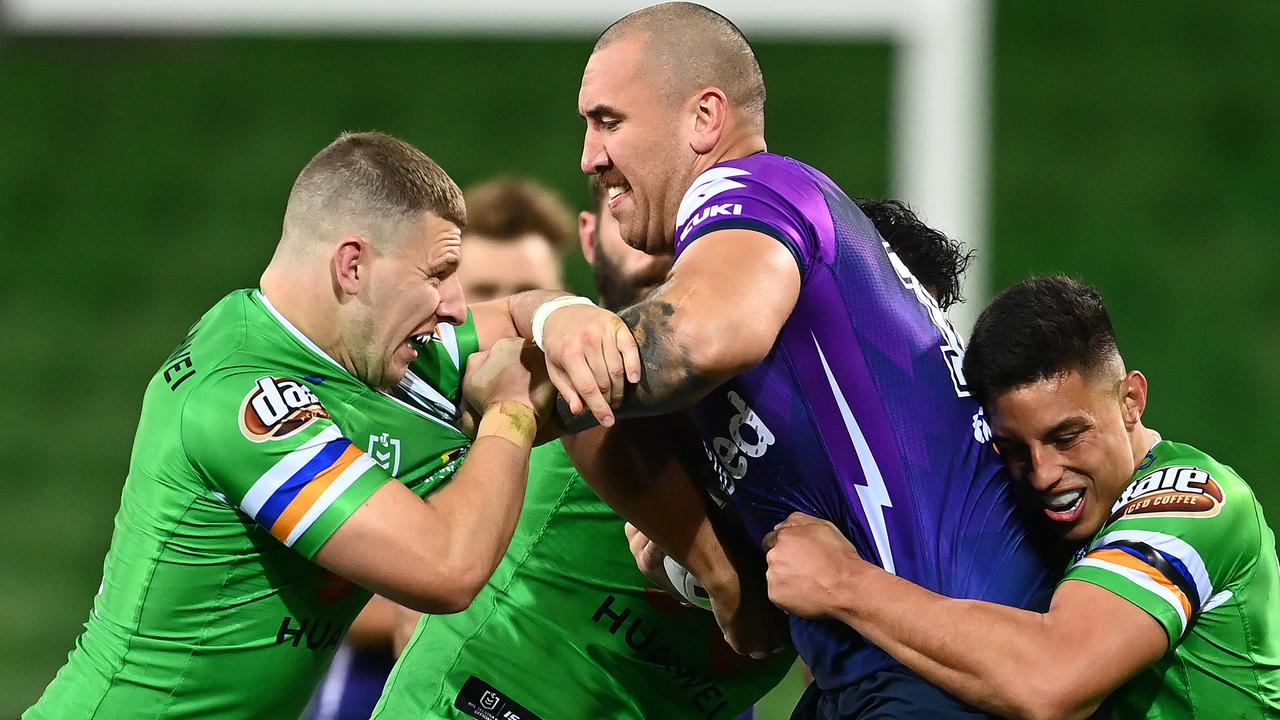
x=1173, y=543
x=268, y=446
x=441, y=362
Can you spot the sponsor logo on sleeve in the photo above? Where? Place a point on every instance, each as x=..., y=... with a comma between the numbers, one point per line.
x=277, y=408
x=1177, y=491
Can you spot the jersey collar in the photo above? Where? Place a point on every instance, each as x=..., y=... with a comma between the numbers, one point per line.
x=297, y=334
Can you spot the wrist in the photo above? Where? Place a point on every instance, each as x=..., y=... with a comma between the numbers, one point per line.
x=511, y=420
x=545, y=311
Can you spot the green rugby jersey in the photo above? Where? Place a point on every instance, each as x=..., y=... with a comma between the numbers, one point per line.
x=252, y=449
x=1187, y=543
x=569, y=628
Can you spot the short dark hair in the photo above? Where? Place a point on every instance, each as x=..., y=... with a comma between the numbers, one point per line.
x=373, y=176
x=507, y=208
x=1041, y=328
x=935, y=259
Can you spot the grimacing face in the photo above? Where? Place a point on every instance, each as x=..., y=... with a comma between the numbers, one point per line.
x=633, y=144
x=1070, y=441
x=498, y=268
x=408, y=289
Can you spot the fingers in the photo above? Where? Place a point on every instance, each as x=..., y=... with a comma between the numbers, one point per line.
x=630, y=351
x=564, y=385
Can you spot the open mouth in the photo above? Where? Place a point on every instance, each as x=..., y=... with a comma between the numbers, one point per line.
x=615, y=192
x=1064, y=506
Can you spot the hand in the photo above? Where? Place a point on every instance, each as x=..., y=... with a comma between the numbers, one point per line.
x=649, y=559
x=512, y=370
x=591, y=356
x=807, y=560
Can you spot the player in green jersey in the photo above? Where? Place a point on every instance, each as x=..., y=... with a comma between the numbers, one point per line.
x=567, y=626
x=1172, y=605
x=260, y=504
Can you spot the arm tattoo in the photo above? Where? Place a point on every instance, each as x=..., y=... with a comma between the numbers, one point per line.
x=668, y=382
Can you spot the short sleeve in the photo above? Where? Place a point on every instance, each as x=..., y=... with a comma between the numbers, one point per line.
x=268, y=446
x=441, y=361
x=1170, y=546
x=726, y=198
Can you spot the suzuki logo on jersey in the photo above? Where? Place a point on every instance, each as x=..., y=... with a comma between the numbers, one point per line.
x=277, y=408
x=710, y=211
x=385, y=451
x=733, y=451
x=1178, y=491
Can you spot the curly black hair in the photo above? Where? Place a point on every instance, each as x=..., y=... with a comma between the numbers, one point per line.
x=935, y=259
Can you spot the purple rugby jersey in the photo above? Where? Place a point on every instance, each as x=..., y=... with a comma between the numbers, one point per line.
x=860, y=413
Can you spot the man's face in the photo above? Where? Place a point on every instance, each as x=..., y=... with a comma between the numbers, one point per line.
x=1067, y=439
x=623, y=274
x=405, y=292
x=498, y=268
x=633, y=144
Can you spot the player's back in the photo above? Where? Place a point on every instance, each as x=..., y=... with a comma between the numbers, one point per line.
x=859, y=414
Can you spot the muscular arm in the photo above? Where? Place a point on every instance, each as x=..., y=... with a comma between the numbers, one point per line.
x=644, y=468
x=1016, y=663
x=435, y=555
x=510, y=316
x=717, y=315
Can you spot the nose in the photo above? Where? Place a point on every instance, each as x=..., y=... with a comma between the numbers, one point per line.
x=453, y=303
x=594, y=156
x=1046, y=466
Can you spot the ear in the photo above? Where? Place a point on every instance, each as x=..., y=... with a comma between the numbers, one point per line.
x=349, y=260
x=588, y=226
x=1133, y=397
x=710, y=116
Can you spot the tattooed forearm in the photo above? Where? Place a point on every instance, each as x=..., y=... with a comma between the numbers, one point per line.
x=670, y=380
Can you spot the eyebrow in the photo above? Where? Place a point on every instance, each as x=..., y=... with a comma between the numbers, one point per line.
x=1071, y=424
x=598, y=111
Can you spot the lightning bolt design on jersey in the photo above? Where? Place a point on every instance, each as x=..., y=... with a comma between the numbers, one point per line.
x=874, y=496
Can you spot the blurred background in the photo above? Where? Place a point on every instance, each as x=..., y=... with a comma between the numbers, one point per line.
x=146, y=156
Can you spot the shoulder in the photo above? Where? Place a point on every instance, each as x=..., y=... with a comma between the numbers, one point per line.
x=766, y=193
x=1179, y=482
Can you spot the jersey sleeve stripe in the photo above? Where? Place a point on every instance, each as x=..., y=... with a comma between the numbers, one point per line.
x=285, y=468
x=280, y=499
x=1168, y=566
x=309, y=493
x=362, y=464
x=1174, y=549
x=1144, y=576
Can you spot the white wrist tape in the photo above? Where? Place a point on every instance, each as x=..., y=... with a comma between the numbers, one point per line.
x=545, y=309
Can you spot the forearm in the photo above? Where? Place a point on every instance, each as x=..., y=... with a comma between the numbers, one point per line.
x=510, y=316
x=995, y=657
x=639, y=469
x=678, y=356
x=479, y=507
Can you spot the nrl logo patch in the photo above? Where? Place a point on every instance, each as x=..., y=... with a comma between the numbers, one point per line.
x=1179, y=491
x=278, y=408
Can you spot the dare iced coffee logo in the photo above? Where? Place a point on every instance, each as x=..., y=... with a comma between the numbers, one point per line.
x=277, y=408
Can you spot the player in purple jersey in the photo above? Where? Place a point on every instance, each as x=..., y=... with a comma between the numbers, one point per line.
x=823, y=378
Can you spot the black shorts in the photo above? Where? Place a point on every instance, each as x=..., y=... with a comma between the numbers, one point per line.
x=894, y=693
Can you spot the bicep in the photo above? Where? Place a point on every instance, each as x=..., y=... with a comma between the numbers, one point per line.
x=1103, y=639
x=728, y=297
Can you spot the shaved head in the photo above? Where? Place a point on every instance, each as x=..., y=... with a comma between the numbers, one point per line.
x=691, y=47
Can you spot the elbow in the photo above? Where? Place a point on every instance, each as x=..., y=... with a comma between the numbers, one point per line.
x=718, y=354
x=1050, y=701
x=444, y=590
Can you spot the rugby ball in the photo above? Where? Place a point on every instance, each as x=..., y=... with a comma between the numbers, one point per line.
x=686, y=584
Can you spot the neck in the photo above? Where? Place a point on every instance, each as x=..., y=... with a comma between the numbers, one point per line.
x=1142, y=439
x=308, y=304
x=735, y=146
